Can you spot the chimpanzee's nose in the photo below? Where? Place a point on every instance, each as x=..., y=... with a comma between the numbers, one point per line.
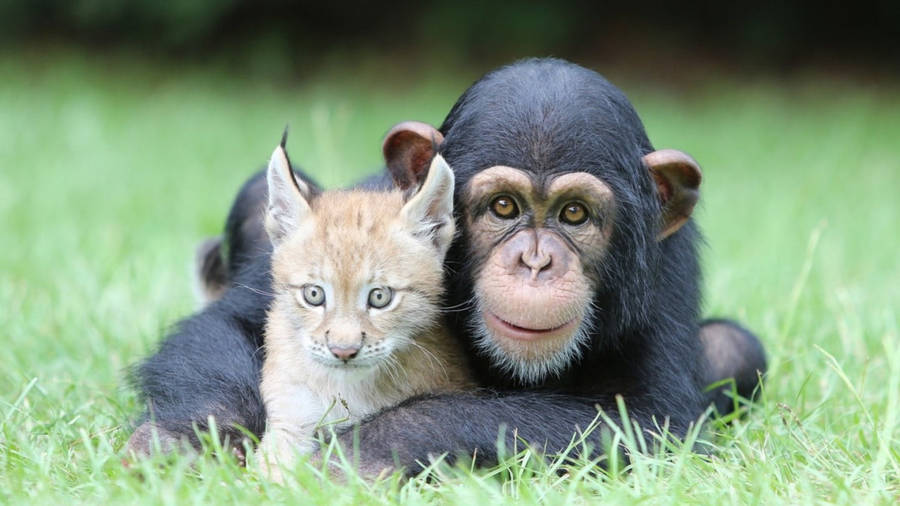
x=536, y=261
x=344, y=354
x=536, y=253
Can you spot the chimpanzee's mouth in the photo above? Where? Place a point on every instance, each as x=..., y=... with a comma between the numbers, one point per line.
x=517, y=332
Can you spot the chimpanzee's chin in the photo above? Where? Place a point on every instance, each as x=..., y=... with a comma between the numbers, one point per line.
x=528, y=356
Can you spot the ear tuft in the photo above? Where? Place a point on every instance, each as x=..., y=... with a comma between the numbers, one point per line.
x=677, y=178
x=284, y=135
x=288, y=195
x=429, y=212
x=408, y=148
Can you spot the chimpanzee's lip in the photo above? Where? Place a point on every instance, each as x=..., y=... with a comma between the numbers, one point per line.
x=513, y=331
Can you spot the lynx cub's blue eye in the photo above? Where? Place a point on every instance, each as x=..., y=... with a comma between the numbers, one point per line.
x=314, y=295
x=380, y=297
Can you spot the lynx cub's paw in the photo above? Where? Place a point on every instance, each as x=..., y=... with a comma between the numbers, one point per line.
x=278, y=454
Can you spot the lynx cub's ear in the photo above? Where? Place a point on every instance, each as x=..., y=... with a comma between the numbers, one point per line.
x=429, y=212
x=288, y=195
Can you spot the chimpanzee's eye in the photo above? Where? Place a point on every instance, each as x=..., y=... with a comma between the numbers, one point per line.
x=573, y=213
x=380, y=297
x=504, y=207
x=314, y=295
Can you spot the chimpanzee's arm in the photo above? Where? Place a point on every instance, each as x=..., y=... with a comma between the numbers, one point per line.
x=467, y=424
x=208, y=366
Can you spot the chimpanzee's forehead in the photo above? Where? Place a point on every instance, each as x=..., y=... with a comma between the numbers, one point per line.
x=546, y=141
x=543, y=116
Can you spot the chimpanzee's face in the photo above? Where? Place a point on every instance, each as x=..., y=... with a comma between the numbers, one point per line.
x=556, y=219
x=535, y=244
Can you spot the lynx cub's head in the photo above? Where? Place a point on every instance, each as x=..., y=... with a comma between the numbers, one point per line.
x=356, y=274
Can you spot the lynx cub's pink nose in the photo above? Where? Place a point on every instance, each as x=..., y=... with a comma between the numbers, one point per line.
x=344, y=354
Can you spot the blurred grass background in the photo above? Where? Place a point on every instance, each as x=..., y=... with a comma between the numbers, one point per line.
x=115, y=160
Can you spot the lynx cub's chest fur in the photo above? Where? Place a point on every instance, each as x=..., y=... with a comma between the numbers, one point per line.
x=355, y=324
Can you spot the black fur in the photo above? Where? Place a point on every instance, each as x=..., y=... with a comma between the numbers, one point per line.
x=549, y=117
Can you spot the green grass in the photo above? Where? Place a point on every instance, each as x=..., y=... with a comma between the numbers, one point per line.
x=112, y=170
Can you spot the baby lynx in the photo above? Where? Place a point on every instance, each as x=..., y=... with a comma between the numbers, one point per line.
x=354, y=324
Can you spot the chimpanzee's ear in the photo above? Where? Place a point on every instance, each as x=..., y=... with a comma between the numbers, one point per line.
x=288, y=197
x=429, y=212
x=408, y=148
x=677, y=178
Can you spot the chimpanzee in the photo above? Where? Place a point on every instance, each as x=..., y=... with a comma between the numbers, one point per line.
x=575, y=279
